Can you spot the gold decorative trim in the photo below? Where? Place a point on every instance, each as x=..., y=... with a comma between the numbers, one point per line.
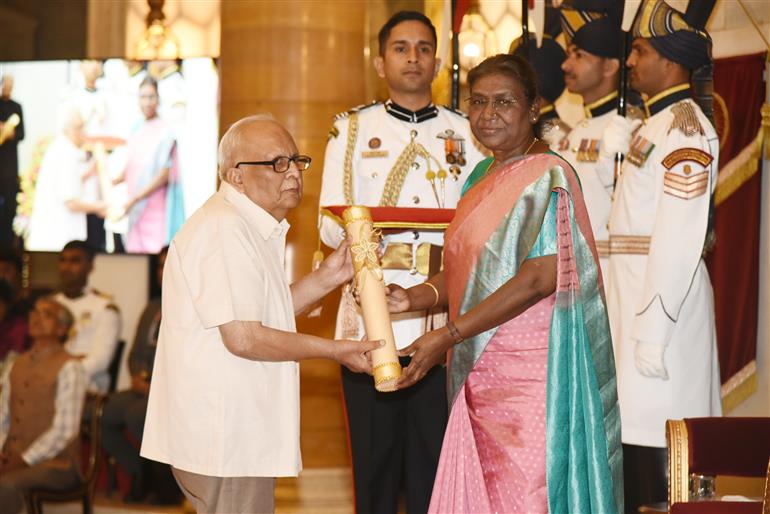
x=665, y=92
x=634, y=245
x=766, y=499
x=685, y=188
x=739, y=170
x=598, y=103
x=739, y=387
x=404, y=256
x=678, y=461
x=603, y=248
x=406, y=225
x=687, y=154
x=347, y=178
x=685, y=119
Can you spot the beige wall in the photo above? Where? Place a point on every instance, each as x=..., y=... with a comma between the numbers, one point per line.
x=302, y=61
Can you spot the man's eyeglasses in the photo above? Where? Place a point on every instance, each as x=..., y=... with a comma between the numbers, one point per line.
x=503, y=104
x=281, y=164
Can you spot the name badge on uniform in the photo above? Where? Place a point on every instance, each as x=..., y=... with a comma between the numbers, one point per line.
x=454, y=147
x=588, y=151
x=370, y=154
x=639, y=151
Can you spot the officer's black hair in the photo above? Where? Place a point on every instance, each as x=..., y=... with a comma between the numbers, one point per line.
x=402, y=16
x=84, y=247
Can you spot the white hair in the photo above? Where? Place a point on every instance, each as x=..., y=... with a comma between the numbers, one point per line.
x=69, y=115
x=233, y=139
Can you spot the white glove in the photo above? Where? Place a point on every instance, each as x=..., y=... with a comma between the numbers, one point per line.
x=617, y=135
x=648, y=359
x=553, y=134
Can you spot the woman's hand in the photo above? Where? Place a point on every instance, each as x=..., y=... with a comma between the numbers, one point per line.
x=398, y=299
x=427, y=351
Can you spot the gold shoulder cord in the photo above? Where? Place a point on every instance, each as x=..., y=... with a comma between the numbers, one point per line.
x=397, y=175
x=347, y=179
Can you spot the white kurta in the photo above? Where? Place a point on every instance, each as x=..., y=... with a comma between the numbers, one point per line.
x=381, y=139
x=59, y=180
x=211, y=412
x=662, y=294
x=596, y=172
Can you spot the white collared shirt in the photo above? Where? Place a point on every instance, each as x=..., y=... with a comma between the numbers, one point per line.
x=211, y=412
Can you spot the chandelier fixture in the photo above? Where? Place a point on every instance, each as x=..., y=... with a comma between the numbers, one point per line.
x=157, y=40
x=476, y=39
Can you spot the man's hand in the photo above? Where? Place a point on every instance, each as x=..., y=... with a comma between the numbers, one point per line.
x=354, y=355
x=140, y=385
x=337, y=268
x=427, y=351
x=398, y=299
x=648, y=359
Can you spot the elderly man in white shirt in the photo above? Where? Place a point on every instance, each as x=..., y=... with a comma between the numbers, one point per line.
x=224, y=403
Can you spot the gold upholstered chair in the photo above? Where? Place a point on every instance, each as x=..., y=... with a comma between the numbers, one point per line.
x=706, y=447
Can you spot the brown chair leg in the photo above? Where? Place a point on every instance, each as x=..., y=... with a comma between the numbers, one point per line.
x=88, y=507
x=29, y=501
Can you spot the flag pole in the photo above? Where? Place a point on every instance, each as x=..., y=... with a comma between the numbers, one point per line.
x=455, y=59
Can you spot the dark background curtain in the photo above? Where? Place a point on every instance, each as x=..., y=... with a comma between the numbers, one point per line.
x=734, y=263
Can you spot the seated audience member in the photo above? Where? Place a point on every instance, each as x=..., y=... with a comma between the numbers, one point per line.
x=97, y=319
x=41, y=399
x=10, y=271
x=13, y=326
x=124, y=412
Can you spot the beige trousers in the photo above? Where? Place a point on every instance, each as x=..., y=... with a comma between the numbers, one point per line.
x=227, y=495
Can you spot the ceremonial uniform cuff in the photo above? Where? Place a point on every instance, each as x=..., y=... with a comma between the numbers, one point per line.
x=654, y=324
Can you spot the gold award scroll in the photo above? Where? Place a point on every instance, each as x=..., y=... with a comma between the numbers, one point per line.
x=371, y=291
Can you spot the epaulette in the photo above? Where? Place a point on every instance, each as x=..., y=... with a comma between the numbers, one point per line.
x=455, y=111
x=113, y=307
x=685, y=119
x=101, y=294
x=635, y=113
x=359, y=108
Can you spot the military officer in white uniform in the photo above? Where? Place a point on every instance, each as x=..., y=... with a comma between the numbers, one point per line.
x=97, y=320
x=405, y=152
x=546, y=59
x=592, y=70
x=660, y=297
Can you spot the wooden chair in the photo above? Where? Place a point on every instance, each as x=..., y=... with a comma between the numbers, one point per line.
x=85, y=490
x=717, y=446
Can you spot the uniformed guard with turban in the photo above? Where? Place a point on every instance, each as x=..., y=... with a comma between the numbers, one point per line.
x=659, y=296
x=592, y=70
x=546, y=60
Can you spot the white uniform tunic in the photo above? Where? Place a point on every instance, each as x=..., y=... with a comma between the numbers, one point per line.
x=596, y=171
x=383, y=133
x=659, y=289
x=95, y=335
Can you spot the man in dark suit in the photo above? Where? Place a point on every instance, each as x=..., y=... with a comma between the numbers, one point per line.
x=11, y=132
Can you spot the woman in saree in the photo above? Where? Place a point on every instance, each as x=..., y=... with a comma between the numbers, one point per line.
x=534, y=425
x=154, y=207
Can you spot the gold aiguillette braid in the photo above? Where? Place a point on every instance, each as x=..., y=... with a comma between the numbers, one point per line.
x=397, y=175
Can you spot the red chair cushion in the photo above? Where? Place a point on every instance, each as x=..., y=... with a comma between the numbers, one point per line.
x=729, y=446
x=717, y=508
